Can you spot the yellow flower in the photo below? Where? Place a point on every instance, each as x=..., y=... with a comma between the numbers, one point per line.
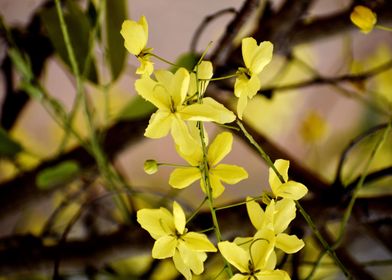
x=256, y=57
x=313, y=128
x=168, y=94
x=174, y=241
x=253, y=262
x=276, y=218
x=135, y=36
x=290, y=189
x=363, y=18
x=219, y=148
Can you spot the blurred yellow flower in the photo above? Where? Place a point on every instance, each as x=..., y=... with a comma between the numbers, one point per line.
x=182, y=177
x=313, y=128
x=174, y=241
x=135, y=36
x=289, y=189
x=168, y=94
x=363, y=18
x=256, y=57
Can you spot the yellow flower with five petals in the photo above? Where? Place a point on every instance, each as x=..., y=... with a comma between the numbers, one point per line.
x=184, y=176
x=247, y=84
x=174, y=241
x=135, y=36
x=169, y=94
x=289, y=189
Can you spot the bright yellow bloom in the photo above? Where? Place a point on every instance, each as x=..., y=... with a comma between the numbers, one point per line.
x=168, y=94
x=219, y=148
x=363, y=18
x=253, y=262
x=290, y=189
x=276, y=218
x=256, y=57
x=173, y=240
x=135, y=36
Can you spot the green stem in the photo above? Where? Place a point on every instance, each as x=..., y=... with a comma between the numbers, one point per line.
x=385, y=28
x=221, y=78
x=236, y=204
x=197, y=210
x=164, y=60
x=204, y=168
x=100, y=158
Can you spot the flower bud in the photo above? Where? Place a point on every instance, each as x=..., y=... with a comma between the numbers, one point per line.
x=150, y=166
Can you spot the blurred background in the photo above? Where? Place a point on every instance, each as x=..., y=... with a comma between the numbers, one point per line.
x=327, y=87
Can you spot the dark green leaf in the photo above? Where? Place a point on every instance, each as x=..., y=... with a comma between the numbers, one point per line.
x=116, y=13
x=79, y=29
x=8, y=147
x=53, y=176
x=137, y=108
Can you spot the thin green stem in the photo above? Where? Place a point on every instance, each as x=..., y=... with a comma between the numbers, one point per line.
x=347, y=213
x=236, y=204
x=197, y=210
x=164, y=60
x=221, y=78
x=382, y=27
x=100, y=158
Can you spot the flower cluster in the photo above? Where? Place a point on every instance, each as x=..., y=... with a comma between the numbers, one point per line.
x=181, y=111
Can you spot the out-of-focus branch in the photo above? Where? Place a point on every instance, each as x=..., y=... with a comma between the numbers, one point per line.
x=19, y=192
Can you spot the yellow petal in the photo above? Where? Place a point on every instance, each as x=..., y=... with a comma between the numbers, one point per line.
x=181, y=136
x=261, y=57
x=229, y=173
x=363, y=18
x=235, y=255
x=159, y=125
x=193, y=260
x=204, y=70
x=198, y=242
x=143, y=22
x=282, y=166
x=216, y=186
x=164, y=247
x=273, y=275
x=135, y=37
x=285, y=213
x=240, y=277
x=179, y=86
x=260, y=251
x=255, y=213
x=181, y=266
x=291, y=190
x=146, y=88
x=252, y=86
x=182, y=177
x=210, y=110
x=179, y=218
x=146, y=66
x=289, y=243
x=241, y=105
x=158, y=222
x=249, y=45
x=219, y=148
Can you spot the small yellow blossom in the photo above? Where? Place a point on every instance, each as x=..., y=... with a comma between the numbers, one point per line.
x=228, y=173
x=276, y=217
x=253, y=262
x=256, y=57
x=174, y=241
x=289, y=189
x=363, y=18
x=135, y=36
x=168, y=94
